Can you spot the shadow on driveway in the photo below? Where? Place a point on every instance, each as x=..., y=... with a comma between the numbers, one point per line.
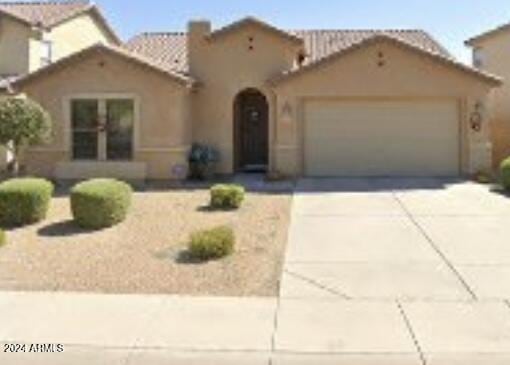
x=375, y=184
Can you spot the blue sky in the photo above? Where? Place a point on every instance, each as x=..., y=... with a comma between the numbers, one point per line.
x=450, y=21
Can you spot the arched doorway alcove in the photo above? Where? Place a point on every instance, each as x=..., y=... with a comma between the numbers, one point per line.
x=251, y=131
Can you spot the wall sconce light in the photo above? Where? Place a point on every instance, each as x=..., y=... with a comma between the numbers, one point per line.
x=286, y=112
x=476, y=118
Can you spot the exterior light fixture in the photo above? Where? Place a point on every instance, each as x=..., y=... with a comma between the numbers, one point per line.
x=476, y=118
x=287, y=109
x=286, y=113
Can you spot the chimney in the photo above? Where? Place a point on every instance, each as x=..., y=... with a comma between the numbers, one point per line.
x=198, y=30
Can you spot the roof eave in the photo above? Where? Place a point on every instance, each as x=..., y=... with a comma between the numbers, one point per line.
x=182, y=80
x=16, y=18
x=472, y=42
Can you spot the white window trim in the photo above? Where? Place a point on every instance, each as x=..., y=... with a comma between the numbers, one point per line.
x=479, y=58
x=47, y=60
x=68, y=131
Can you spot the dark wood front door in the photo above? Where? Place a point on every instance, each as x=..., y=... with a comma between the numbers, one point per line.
x=251, y=137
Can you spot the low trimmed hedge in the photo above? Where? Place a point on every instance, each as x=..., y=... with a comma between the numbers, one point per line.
x=227, y=196
x=24, y=201
x=212, y=244
x=100, y=203
x=3, y=239
x=504, y=171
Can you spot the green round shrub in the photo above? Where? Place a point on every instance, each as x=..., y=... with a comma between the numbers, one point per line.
x=24, y=201
x=505, y=173
x=3, y=239
x=100, y=203
x=212, y=244
x=227, y=196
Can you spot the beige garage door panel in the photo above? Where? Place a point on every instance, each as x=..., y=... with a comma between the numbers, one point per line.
x=368, y=138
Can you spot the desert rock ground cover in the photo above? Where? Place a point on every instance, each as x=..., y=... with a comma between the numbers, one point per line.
x=145, y=253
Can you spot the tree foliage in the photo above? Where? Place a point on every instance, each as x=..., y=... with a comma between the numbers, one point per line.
x=23, y=123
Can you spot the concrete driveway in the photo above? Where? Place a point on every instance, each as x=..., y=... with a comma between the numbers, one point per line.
x=405, y=239
x=415, y=269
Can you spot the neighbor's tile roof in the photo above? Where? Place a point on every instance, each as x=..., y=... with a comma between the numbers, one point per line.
x=169, y=49
x=44, y=13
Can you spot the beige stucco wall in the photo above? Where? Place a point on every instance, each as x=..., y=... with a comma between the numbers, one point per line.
x=357, y=75
x=69, y=37
x=14, y=46
x=225, y=67
x=162, y=128
x=495, y=51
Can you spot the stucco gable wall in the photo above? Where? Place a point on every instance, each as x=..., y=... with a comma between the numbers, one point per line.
x=404, y=75
x=164, y=127
x=226, y=67
x=14, y=46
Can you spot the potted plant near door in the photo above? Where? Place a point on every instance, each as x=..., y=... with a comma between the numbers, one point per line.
x=201, y=161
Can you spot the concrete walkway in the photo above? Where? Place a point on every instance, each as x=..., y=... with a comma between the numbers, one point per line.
x=380, y=271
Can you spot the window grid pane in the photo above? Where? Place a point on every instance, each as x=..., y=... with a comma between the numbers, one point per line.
x=85, y=116
x=85, y=145
x=120, y=117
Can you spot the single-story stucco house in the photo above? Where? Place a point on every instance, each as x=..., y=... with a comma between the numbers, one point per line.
x=302, y=103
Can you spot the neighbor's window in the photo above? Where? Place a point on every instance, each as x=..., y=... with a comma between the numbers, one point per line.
x=102, y=129
x=46, y=52
x=478, y=58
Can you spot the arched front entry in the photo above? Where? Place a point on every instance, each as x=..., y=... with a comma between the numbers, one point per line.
x=251, y=131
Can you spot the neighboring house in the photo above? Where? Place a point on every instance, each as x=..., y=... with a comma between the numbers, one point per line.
x=491, y=52
x=35, y=34
x=312, y=103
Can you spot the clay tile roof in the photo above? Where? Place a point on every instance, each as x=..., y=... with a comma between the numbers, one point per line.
x=139, y=60
x=44, y=13
x=169, y=49
x=320, y=44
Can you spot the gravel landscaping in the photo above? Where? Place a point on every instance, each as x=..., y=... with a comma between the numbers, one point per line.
x=145, y=253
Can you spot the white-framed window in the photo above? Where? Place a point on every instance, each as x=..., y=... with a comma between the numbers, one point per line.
x=478, y=58
x=46, y=52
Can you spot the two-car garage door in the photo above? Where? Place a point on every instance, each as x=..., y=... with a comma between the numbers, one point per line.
x=381, y=138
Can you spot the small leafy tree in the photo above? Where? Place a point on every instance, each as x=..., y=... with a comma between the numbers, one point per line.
x=23, y=123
